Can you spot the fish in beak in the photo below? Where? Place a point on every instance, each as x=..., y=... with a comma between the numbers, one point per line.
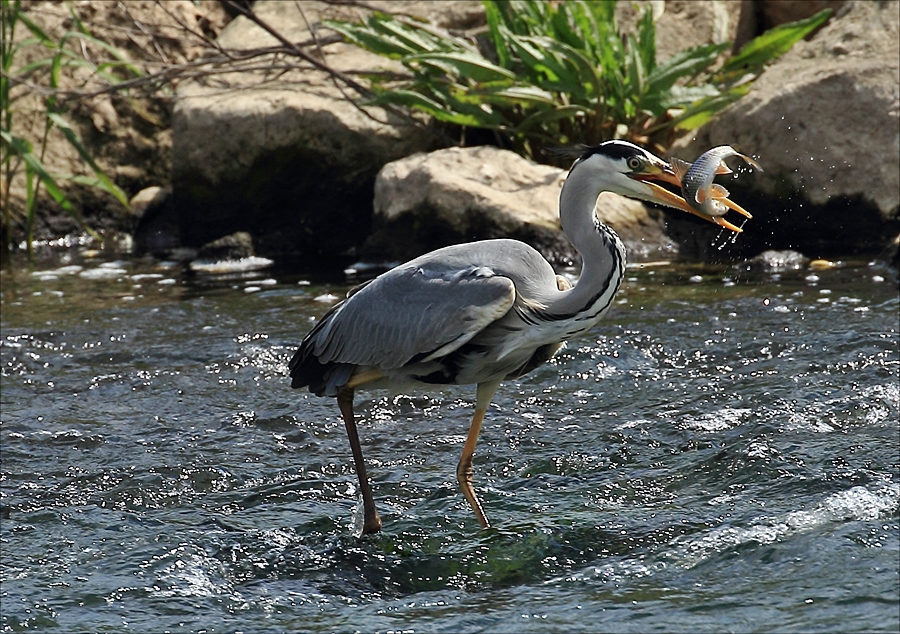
x=714, y=201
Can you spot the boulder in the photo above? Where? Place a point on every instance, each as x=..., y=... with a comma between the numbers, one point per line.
x=289, y=158
x=157, y=230
x=237, y=246
x=823, y=121
x=148, y=198
x=427, y=201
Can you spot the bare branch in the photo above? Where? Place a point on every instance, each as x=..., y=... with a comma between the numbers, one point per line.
x=203, y=67
x=201, y=36
x=296, y=50
x=333, y=78
x=216, y=61
x=145, y=31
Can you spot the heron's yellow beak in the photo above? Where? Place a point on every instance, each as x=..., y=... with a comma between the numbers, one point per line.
x=662, y=171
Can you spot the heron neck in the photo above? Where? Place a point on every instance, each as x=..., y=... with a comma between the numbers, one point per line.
x=602, y=253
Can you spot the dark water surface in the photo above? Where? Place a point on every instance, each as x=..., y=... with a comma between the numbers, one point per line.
x=718, y=455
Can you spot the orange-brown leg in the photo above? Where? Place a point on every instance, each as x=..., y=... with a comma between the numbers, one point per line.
x=371, y=521
x=464, y=468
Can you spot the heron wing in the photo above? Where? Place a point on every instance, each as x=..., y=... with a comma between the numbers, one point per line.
x=412, y=313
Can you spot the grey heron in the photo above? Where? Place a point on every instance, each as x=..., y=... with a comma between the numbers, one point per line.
x=478, y=313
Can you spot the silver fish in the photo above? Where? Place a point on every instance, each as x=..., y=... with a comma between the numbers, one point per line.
x=708, y=199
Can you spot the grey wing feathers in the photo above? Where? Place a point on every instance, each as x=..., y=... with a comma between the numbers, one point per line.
x=411, y=313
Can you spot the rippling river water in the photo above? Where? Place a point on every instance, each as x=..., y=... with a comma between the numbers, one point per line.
x=721, y=453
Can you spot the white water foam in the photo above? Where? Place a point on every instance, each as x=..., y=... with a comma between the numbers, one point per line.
x=243, y=265
x=856, y=504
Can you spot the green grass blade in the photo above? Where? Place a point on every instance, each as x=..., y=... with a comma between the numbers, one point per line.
x=26, y=70
x=495, y=30
x=416, y=40
x=106, y=183
x=685, y=63
x=703, y=110
x=367, y=38
x=677, y=97
x=22, y=148
x=547, y=116
x=604, y=11
x=774, y=43
x=646, y=41
x=584, y=25
x=580, y=71
x=515, y=95
x=77, y=22
x=30, y=208
x=457, y=99
x=636, y=72
x=418, y=101
x=37, y=31
x=565, y=29
x=109, y=48
x=555, y=66
x=54, y=70
x=465, y=65
x=538, y=66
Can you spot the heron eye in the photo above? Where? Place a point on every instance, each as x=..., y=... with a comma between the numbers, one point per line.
x=634, y=163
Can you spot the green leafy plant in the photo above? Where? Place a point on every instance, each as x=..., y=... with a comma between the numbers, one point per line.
x=21, y=153
x=551, y=73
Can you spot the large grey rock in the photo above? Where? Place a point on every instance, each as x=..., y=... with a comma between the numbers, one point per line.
x=288, y=158
x=823, y=121
x=426, y=201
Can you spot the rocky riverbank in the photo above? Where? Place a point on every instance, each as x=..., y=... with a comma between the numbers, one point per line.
x=279, y=153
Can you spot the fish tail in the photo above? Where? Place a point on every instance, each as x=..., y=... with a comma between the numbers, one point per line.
x=751, y=162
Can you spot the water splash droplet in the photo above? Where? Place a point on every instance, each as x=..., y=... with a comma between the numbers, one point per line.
x=721, y=239
x=734, y=236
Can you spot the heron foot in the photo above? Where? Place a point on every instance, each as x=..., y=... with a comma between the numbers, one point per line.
x=464, y=477
x=372, y=522
x=366, y=521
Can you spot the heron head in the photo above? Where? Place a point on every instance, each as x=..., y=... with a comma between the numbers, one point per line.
x=626, y=169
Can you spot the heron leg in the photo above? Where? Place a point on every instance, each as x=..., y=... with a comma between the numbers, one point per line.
x=464, y=469
x=371, y=521
x=364, y=377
